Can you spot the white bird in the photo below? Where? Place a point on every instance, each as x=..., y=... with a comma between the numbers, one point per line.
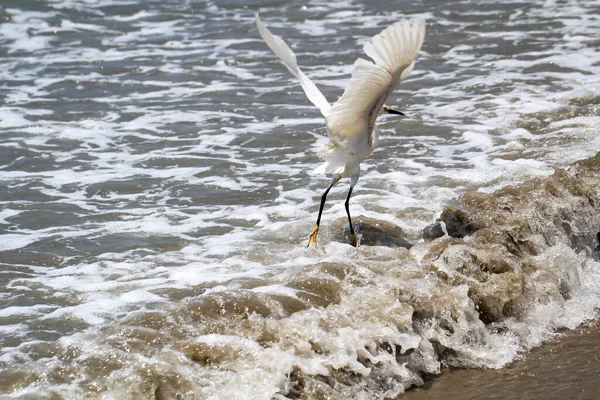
x=351, y=120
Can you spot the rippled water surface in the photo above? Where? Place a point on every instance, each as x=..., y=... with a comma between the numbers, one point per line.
x=156, y=191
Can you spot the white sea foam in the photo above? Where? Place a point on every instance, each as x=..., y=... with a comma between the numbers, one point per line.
x=13, y=241
x=226, y=137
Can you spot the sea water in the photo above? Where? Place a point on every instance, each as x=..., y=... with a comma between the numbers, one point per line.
x=156, y=193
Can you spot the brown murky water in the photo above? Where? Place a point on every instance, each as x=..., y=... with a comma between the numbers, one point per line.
x=566, y=367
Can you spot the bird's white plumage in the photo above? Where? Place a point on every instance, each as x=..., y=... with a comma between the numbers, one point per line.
x=397, y=46
x=355, y=112
x=288, y=57
x=394, y=52
x=351, y=120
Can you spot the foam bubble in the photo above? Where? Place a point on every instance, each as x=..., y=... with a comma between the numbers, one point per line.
x=155, y=157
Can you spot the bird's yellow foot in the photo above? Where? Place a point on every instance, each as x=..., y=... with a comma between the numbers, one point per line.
x=353, y=241
x=313, y=236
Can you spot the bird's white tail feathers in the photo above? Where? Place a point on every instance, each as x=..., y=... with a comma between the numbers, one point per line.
x=282, y=50
x=336, y=158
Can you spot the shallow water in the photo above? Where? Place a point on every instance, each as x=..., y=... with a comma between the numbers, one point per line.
x=566, y=367
x=156, y=194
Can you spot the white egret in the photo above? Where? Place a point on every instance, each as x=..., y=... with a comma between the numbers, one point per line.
x=351, y=120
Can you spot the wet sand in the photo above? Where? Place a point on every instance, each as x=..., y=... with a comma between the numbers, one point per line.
x=567, y=367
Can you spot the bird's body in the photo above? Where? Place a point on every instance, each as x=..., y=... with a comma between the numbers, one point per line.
x=351, y=120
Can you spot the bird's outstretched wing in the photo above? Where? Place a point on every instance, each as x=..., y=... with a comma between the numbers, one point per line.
x=289, y=60
x=394, y=51
x=396, y=48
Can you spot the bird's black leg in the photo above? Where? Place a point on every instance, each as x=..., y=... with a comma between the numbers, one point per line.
x=313, y=235
x=347, y=204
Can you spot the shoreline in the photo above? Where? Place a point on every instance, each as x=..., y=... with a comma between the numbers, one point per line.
x=565, y=367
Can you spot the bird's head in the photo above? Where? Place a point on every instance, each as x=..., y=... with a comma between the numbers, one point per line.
x=388, y=110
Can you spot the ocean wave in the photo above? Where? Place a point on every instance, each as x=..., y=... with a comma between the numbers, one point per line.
x=155, y=198
x=514, y=265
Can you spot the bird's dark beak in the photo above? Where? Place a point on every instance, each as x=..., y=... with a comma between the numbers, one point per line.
x=390, y=111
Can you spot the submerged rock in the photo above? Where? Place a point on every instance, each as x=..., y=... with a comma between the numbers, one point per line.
x=373, y=232
x=459, y=222
x=433, y=231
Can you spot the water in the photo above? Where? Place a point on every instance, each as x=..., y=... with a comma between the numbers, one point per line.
x=566, y=367
x=156, y=196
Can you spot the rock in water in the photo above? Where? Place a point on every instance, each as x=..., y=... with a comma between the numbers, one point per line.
x=373, y=232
